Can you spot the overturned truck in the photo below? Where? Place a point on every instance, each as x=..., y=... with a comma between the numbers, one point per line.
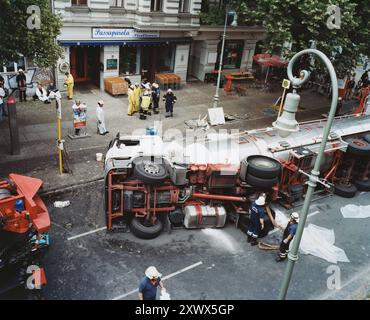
x=150, y=183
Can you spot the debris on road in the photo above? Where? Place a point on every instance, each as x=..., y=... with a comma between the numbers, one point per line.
x=319, y=242
x=164, y=295
x=61, y=204
x=231, y=117
x=198, y=123
x=354, y=211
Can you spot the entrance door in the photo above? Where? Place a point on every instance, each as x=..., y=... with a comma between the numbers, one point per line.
x=148, y=63
x=85, y=64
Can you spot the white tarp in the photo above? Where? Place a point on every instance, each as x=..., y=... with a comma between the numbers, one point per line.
x=353, y=211
x=319, y=242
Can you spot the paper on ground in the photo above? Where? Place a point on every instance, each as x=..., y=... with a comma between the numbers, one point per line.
x=319, y=242
x=353, y=211
x=281, y=218
x=164, y=295
x=61, y=204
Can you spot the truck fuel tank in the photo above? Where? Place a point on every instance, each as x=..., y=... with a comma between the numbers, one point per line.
x=201, y=216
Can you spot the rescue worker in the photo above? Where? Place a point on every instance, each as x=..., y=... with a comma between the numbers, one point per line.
x=69, y=82
x=137, y=93
x=145, y=102
x=100, y=118
x=257, y=214
x=170, y=99
x=288, y=236
x=131, y=100
x=22, y=85
x=148, y=285
x=41, y=94
x=155, y=97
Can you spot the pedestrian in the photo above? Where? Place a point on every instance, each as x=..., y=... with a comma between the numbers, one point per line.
x=170, y=99
x=137, y=93
x=349, y=89
x=2, y=102
x=149, y=284
x=22, y=85
x=155, y=97
x=41, y=94
x=78, y=108
x=257, y=214
x=365, y=81
x=69, y=82
x=288, y=236
x=339, y=110
x=100, y=118
x=145, y=101
x=131, y=100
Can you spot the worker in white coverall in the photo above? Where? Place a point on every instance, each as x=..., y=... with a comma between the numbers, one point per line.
x=100, y=118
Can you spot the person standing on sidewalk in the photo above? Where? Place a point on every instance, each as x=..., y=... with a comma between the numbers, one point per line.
x=131, y=100
x=137, y=93
x=170, y=99
x=148, y=285
x=69, y=82
x=100, y=118
x=22, y=85
x=288, y=236
x=155, y=97
x=2, y=102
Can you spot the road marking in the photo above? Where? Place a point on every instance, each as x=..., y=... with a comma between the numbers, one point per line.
x=86, y=233
x=164, y=278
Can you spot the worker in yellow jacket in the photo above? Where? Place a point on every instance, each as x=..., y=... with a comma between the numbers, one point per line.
x=131, y=100
x=137, y=93
x=69, y=82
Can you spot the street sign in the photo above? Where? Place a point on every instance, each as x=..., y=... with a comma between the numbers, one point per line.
x=286, y=84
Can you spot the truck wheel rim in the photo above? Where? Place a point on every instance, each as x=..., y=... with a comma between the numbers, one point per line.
x=151, y=168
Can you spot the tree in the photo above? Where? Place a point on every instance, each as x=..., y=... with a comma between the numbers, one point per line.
x=18, y=35
x=301, y=23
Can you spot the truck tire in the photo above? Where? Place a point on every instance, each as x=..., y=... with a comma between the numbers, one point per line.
x=367, y=137
x=263, y=167
x=358, y=147
x=144, y=229
x=261, y=182
x=362, y=185
x=150, y=172
x=345, y=191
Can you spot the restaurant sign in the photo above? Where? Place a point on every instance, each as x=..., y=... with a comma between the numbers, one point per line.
x=129, y=34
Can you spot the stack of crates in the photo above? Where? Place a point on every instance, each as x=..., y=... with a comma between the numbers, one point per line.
x=168, y=80
x=115, y=85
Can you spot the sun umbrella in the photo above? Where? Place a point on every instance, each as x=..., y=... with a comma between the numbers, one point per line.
x=269, y=60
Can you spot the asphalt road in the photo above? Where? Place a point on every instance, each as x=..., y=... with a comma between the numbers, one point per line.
x=219, y=264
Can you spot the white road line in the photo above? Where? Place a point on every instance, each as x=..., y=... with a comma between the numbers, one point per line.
x=86, y=233
x=164, y=278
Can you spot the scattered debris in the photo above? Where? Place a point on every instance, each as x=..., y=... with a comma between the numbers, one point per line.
x=198, y=123
x=319, y=242
x=164, y=295
x=235, y=116
x=354, y=211
x=61, y=204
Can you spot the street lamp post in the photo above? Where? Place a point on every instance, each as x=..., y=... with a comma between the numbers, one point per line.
x=313, y=178
x=234, y=24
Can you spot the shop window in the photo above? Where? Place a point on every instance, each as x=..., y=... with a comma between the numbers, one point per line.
x=165, y=59
x=79, y=2
x=184, y=6
x=156, y=5
x=127, y=60
x=233, y=52
x=117, y=3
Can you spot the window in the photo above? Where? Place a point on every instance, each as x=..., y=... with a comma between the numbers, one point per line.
x=233, y=52
x=127, y=60
x=79, y=2
x=155, y=5
x=15, y=65
x=117, y=3
x=184, y=6
x=165, y=58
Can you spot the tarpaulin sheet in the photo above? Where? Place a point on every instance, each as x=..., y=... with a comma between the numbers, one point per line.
x=353, y=211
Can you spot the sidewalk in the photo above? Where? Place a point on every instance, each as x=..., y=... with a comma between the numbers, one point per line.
x=38, y=130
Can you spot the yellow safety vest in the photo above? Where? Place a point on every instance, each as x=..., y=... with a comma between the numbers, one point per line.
x=145, y=102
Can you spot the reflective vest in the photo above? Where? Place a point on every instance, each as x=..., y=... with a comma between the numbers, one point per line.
x=145, y=102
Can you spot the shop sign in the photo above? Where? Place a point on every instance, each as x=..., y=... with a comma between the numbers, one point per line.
x=109, y=33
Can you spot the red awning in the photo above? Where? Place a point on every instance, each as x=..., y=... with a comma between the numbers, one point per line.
x=270, y=60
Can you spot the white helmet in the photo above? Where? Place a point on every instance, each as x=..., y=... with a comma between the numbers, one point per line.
x=295, y=216
x=261, y=201
x=152, y=273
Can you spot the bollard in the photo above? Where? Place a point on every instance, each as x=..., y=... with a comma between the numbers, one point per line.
x=13, y=127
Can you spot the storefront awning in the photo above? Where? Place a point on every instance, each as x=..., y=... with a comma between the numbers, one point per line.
x=157, y=42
